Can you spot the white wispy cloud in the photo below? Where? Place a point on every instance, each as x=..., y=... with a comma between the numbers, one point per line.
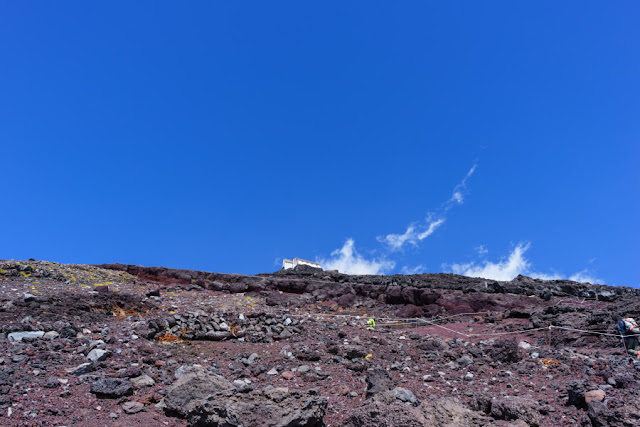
x=416, y=232
x=419, y=269
x=412, y=235
x=514, y=264
x=505, y=269
x=481, y=250
x=457, y=197
x=585, y=276
x=348, y=260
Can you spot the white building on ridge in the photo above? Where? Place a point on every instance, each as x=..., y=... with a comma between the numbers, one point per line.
x=290, y=263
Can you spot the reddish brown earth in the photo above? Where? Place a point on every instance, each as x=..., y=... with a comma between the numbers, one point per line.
x=441, y=337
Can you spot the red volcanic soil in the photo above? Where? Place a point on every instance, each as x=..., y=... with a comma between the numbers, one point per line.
x=116, y=345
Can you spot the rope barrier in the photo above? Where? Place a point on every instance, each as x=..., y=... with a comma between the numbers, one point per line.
x=524, y=331
x=411, y=321
x=584, y=331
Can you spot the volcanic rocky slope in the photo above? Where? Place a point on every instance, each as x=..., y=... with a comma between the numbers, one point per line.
x=126, y=345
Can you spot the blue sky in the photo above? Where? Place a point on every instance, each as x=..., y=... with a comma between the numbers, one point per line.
x=487, y=138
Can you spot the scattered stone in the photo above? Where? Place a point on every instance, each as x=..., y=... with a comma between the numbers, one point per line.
x=20, y=358
x=97, y=355
x=52, y=383
x=524, y=345
x=465, y=360
x=594, y=395
x=132, y=407
x=142, y=381
x=404, y=395
x=51, y=335
x=19, y=336
x=111, y=388
x=339, y=390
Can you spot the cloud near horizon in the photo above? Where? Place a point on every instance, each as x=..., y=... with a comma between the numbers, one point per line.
x=419, y=269
x=415, y=233
x=508, y=268
x=348, y=260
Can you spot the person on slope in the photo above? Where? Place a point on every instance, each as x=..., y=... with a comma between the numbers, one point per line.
x=628, y=329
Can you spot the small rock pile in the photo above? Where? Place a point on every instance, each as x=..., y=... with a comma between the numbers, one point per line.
x=200, y=325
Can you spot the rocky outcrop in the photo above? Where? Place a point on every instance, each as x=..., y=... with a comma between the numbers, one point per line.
x=601, y=415
x=194, y=385
x=441, y=413
x=206, y=399
x=425, y=291
x=272, y=407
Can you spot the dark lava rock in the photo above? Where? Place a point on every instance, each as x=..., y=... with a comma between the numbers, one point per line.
x=132, y=371
x=217, y=336
x=206, y=399
x=111, y=388
x=378, y=381
x=346, y=300
x=52, y=383
x=82, y=369
x=404, y=395
x=195, y=384
x=624, y=380
x=348, y=351
x=380, y=414
x=482, y=402
x=504, y=351
x=602, y=416
x=575, y=393
x=409, y=311
x=273, y=407
x=441, y=413
x=516, y=408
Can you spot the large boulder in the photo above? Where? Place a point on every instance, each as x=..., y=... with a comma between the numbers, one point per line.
x=379, y=414
x=601, y=415
x=504, y=351
x=272, y=407
x=508, y=408
x=516, y=408
x=576, y=393
x=441, y=413
x=194, y=385
x=378, y=381
x=206, y=399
